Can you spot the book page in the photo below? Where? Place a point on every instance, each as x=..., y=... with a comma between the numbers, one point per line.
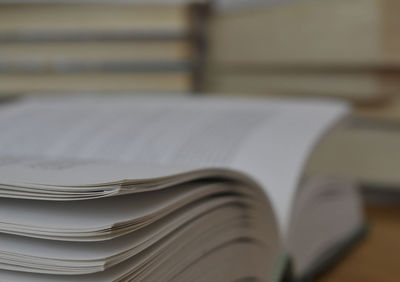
x=268, y=140
x=59, y=171
x=173, y=131
x=102, y=213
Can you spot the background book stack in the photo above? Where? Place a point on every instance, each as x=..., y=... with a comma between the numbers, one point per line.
x=63, y=46
x=329, y=49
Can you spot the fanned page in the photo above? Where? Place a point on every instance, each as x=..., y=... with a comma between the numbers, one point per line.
x=267, y=140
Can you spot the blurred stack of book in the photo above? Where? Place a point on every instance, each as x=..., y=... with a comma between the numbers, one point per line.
x=336, y=49
x=100, y=46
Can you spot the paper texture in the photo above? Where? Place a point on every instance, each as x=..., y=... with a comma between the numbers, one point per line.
x=268, y=140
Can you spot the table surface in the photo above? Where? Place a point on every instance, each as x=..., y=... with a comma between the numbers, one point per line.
x=377, y=257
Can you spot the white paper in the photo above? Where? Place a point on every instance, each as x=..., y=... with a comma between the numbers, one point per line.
x=268, y=140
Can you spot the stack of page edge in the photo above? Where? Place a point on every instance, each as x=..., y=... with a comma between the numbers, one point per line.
x=170, y=228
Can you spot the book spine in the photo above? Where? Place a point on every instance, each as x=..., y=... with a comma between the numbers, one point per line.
x=75, y=35
x=199, y=16
x=107, y=67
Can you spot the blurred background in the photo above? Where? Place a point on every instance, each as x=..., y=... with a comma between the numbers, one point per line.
x=330, y=49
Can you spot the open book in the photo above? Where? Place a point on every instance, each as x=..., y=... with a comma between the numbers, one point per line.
x=167, y=189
